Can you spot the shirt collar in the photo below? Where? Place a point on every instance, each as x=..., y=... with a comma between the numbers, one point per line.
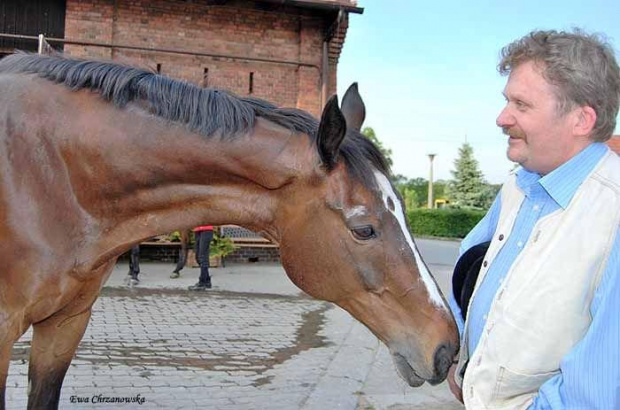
x=562, y=183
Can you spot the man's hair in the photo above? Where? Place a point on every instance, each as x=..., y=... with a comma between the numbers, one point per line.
x=581, y=66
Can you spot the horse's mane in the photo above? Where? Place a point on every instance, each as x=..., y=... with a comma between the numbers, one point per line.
x=203, y=110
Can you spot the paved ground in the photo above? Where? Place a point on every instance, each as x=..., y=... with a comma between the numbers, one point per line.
x=253, y=342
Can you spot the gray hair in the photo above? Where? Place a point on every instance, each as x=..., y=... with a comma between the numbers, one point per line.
x=581, y=66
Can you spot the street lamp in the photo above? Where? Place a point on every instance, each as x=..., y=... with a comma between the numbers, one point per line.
x=430, y=183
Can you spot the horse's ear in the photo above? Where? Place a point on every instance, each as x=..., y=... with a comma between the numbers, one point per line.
x=332, y=130
x=353, y=108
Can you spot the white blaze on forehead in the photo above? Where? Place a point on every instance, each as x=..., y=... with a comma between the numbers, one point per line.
x=388, y=192
x=356, y=211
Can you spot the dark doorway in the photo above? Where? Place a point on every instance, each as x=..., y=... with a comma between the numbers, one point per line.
x=31, y=18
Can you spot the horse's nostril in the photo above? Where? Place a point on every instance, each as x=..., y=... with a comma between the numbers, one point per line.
x=443, y=360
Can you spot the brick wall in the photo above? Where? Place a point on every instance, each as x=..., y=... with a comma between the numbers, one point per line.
x=156, y=254
x=170, y=254
x=254, y=254
x=239, y=28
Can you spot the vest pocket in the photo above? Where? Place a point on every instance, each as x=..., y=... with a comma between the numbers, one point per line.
x=511, y=384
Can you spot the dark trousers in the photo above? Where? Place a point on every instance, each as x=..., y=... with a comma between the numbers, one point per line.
x=201, y=247
x=134, y=262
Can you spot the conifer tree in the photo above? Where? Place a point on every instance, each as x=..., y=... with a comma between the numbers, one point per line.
x=467, y=188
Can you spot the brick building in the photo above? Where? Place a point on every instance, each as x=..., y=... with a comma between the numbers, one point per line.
x=285, y=51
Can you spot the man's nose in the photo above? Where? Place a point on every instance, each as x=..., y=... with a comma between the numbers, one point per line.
x=505, y=118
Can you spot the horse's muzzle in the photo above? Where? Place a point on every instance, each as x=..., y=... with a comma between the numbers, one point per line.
x=406, y=372
x=443, y=359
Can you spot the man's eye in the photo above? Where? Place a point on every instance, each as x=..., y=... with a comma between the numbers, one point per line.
x=364, y=233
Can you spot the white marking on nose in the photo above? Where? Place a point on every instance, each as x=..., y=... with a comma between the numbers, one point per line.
x=356, y=211
x=388, y=192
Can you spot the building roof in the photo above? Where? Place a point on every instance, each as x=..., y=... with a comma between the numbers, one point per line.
x=346, y=5
x=614, y=144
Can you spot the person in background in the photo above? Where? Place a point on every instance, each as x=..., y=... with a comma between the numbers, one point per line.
x=134, y=266
x=185, y=238
x=542, y=329
x=204, y=236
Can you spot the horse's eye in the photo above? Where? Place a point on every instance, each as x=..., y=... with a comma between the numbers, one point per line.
x=364, y=233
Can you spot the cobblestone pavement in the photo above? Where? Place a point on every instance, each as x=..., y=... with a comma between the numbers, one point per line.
x=160, y=346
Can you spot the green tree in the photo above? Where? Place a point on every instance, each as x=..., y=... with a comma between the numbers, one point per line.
x=468, y=188
x=369, y=133
x=440, y=188
x=491, y=192
x=399, y=180
x=410, y=197
x=420, y=185
x=414, y=191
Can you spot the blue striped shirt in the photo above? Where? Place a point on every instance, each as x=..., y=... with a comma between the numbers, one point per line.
x=590, y=372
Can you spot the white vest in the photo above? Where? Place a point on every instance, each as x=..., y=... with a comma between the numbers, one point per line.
x=542, y=308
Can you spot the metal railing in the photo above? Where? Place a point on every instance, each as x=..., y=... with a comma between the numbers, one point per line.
x=41, y=39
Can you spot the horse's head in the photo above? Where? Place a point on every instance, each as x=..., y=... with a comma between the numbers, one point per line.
x=345, y=240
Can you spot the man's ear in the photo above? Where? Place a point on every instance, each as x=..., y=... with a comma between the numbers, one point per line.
x=332, y=130
x=353, y=108
x=586, y=119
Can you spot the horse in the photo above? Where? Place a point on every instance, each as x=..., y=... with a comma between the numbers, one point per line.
x=95, y=157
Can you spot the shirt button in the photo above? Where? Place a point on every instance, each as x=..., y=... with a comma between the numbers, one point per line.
x=535, y=207
x=501, y=237
x=485, y=263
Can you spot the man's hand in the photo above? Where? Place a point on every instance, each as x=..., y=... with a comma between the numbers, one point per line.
x=454, y=388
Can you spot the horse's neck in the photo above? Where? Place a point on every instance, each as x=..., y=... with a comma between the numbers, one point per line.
x=155, y=177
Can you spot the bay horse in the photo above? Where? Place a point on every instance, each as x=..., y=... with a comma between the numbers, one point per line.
x=96, y=157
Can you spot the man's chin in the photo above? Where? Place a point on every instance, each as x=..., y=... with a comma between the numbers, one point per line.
x=515, y=153
x=512, y=156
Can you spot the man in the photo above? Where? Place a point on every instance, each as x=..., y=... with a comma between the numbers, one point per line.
x=543, y=329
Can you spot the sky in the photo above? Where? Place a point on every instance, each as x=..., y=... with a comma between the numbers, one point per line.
x=427, y=71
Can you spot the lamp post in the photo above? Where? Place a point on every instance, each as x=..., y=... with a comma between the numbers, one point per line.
x=430, y=183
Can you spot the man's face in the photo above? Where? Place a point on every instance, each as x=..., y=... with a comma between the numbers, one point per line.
x=540, y=139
